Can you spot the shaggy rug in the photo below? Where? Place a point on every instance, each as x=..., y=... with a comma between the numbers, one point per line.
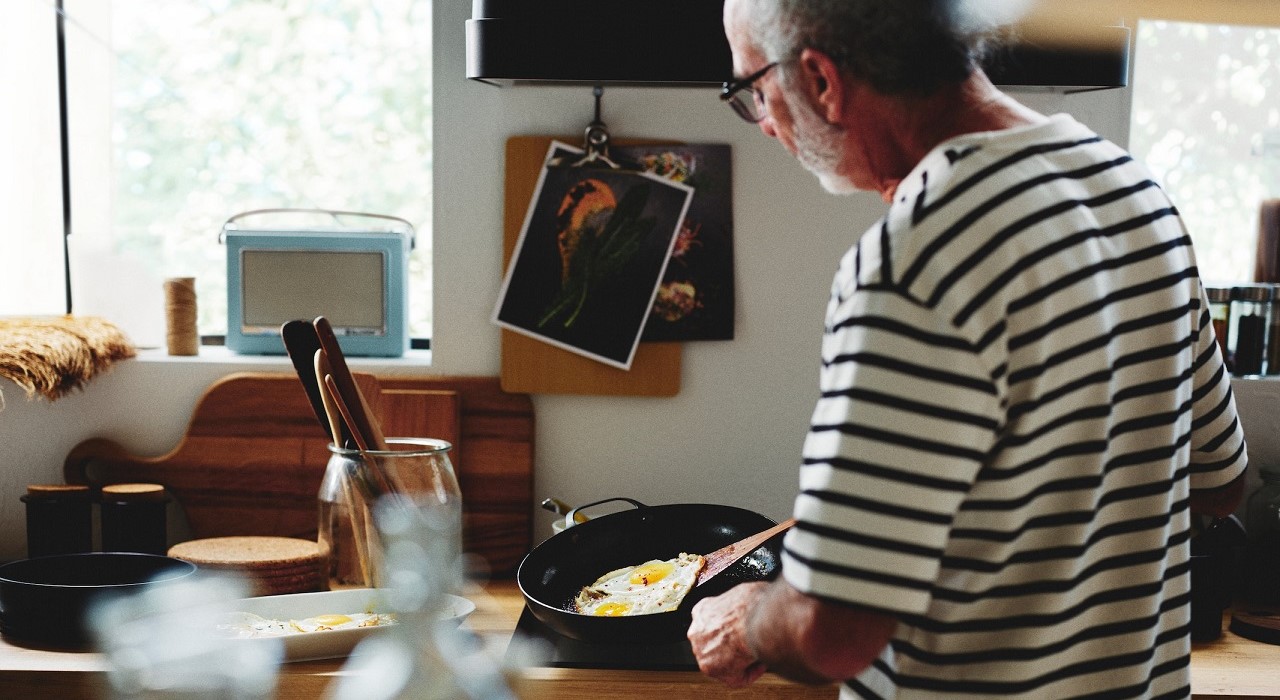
x=53, y=356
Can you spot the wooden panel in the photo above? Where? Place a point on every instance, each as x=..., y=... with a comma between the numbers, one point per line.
x=253, y=457
x=429, y=413
x=533, y=367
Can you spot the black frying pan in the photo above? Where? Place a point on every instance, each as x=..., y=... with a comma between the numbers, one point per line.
x=552, y=574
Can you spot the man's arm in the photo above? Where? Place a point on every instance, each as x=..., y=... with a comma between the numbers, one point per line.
x=1219, y=502
x=758, y=626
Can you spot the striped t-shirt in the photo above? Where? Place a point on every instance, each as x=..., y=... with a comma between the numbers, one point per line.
x=1020, y=388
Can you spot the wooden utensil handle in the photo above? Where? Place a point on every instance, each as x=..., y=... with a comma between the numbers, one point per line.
x=363, y=418
x=727, y=556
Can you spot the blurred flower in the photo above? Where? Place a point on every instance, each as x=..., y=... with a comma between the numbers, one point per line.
x=676, y=300
x=685, y=239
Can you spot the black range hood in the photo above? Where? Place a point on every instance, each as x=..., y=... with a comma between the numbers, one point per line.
x=1101, y=65
x=641, y=42
x=682, y=42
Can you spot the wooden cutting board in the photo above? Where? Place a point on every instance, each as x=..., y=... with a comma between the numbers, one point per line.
x=253, y=456
x=531, y=366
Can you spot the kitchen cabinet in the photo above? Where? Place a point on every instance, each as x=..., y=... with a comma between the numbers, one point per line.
x=1229, y=668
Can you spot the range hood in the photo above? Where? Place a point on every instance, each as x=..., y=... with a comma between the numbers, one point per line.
x=656, y=42
x=1103, y=64
x=682, y=42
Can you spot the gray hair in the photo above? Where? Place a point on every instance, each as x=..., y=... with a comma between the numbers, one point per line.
x=900, y=47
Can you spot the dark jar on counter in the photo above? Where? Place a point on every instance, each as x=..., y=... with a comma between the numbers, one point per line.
x=1220, y=315
x=1273, y=333
x=1262, y=553
x=1250, y=326
x=59, y=519
x=134, y=518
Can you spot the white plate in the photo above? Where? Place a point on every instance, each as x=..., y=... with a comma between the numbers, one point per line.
x=328, y=644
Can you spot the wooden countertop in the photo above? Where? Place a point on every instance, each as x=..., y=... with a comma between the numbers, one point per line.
x=1229, y=668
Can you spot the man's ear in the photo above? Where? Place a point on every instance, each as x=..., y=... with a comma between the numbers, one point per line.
x=823, y=84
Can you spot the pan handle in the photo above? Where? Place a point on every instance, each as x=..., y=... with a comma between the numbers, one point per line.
x=570, y=517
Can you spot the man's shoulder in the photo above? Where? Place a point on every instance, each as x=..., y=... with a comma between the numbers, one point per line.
x=969, y=186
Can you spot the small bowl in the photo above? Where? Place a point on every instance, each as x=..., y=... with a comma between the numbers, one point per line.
x=44, y=600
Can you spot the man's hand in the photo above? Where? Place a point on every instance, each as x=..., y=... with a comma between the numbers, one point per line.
x=756, y=626
x=719, y=635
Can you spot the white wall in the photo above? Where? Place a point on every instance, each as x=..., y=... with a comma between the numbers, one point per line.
x=733, y=433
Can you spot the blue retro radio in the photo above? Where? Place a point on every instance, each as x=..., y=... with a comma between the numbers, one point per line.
x=356, y=278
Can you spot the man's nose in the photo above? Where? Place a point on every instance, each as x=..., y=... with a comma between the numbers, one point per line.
x=766, y=125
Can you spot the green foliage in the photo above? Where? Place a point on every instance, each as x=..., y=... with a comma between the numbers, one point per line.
x=1206, y=101
x=601, y=256
x=224, y=106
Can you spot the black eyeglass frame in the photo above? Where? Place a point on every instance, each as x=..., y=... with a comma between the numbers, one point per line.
x=730, y=92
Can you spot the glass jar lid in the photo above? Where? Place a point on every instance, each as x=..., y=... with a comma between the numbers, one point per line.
x=1256, y=292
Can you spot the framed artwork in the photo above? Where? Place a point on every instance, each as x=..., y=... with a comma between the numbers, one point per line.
x=591, y=256
x=696, y=298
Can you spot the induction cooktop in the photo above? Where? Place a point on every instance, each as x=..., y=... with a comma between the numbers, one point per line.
x=565, y=652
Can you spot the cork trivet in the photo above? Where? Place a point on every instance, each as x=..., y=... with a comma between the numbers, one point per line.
x=314, y=583
x=314, y=568
x=249, y=552
x=313, y=586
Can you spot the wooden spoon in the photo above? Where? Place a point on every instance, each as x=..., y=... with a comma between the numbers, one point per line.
x=729, y=555
x=375, y=483
x=363, y=420
x=337, y=424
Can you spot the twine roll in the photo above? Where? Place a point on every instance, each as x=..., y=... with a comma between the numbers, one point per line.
x=180, y=316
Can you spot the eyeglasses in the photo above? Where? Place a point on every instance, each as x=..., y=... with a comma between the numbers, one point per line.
x=744, y=98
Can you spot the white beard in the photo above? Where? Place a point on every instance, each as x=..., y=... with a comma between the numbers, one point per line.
x=819, y=148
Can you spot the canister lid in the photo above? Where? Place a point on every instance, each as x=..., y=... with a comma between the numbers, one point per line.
x=57, y=491
x=1218, y=294
x=133, y=492
x=1252, y=293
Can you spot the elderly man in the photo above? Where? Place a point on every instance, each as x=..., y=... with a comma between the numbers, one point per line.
x=1022, y=401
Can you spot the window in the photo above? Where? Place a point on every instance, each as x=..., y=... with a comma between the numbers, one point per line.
x=184, y=113
x=1206, y=120
x=31, y=267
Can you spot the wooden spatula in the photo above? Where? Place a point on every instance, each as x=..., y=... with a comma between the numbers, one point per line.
x=364, y=422
x=301, y=342
x=727, y=556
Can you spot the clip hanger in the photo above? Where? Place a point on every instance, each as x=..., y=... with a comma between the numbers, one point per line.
x=595, y=143
x=596, y=137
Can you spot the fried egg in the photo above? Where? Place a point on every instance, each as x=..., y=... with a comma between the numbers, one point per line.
x=652, y=587
x=243, y=624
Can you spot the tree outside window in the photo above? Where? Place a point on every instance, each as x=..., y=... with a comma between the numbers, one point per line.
x=1206, y=120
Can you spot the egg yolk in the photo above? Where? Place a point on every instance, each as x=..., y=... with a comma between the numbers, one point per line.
x=612, y=610
x=648, y=574
x=330, y=620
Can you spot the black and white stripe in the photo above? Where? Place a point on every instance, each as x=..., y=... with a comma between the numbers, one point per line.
x=1020, y=389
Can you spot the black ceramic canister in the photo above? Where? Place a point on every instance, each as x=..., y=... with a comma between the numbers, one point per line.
x=1250, y=322
x=59, y=519
x=133, y=518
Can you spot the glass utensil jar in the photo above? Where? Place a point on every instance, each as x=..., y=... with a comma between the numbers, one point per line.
x=1250, y=324
x=1273, y=333
x=418, y=468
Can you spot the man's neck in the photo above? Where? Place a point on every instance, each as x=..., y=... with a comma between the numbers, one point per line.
x=971, y=107
x=914, y=126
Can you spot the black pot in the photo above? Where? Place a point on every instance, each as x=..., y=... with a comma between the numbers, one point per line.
x=551, y=575
x=44, y=600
